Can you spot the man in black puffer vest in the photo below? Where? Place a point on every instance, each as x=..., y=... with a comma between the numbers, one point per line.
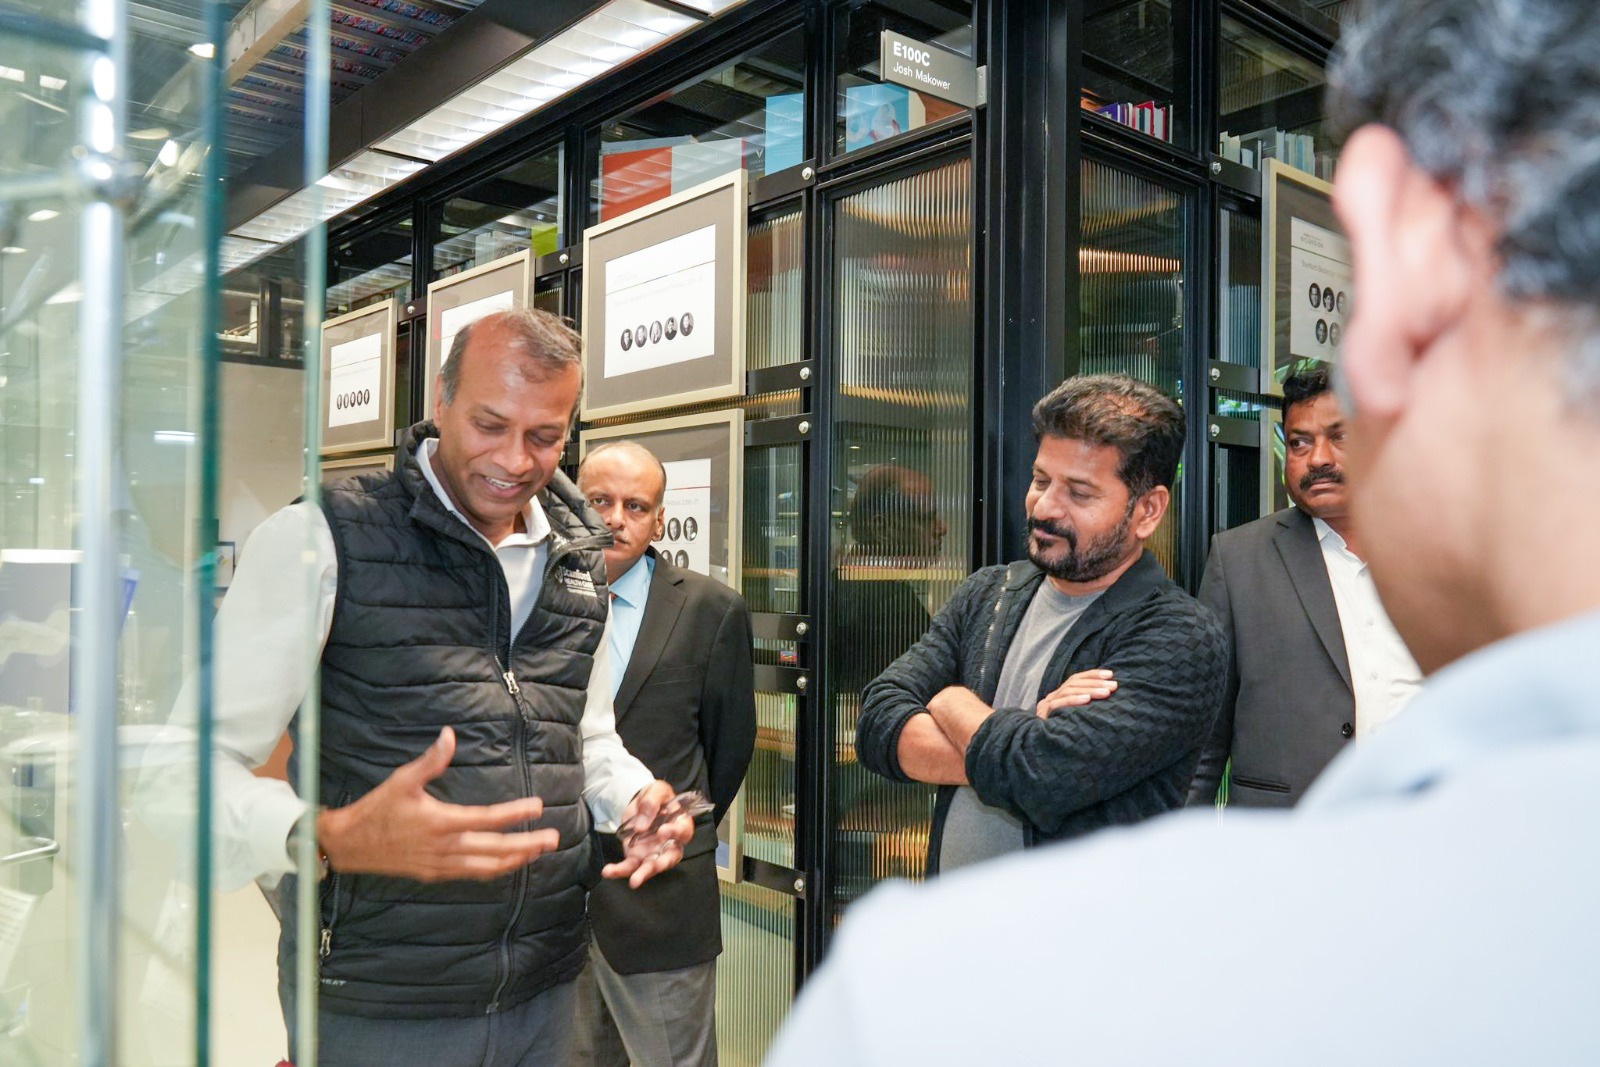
x=463, y=617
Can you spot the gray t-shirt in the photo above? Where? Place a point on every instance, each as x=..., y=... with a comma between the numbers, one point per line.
x=975, y=831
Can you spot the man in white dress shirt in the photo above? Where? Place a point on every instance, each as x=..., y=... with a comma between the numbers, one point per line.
x=1432, y=901
x=467, y=731
x=1314, y=662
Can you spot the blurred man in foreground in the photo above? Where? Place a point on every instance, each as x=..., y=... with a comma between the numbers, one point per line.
x=1433, y=898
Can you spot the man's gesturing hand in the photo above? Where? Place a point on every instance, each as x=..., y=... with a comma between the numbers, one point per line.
x=647, y=853
x=398, y=829
x=1077, y=690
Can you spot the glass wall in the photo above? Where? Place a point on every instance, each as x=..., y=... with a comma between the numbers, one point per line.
x=1132, y=310
x=520, y=207
x=750, y=114
x=1270, y=103
x=902, y=482
x=867, y=108
x=1135, y=63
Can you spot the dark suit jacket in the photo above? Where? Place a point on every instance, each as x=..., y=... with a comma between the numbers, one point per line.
x=687, y=709
x=1289, y=707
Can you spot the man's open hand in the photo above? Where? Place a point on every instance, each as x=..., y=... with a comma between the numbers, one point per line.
x=1077, y=690
x=399, y=829
x=645, y=852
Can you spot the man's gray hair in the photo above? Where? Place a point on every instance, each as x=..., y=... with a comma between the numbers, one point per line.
x=1501, y=99
x=548, y=341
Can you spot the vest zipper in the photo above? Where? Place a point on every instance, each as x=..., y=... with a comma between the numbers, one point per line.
x=520, y=727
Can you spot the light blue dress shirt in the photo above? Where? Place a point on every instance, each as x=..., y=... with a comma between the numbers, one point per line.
x=1435, y=899
x=629, y=593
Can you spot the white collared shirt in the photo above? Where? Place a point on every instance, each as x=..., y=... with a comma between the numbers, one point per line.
x=1383, y=674
x=270, y=631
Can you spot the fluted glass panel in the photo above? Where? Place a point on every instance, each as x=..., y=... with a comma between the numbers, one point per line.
x=1132, y=313
x=775, y=312
x=1239, y=301
x=902, y=480
x=755, y=974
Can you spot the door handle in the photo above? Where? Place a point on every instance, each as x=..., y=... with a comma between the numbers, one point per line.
x=38, y=848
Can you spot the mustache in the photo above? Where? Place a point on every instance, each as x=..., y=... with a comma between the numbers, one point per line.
x=1326, y=473
x=1066, y=533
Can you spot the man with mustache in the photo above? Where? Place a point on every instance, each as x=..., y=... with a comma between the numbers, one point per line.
x=1073, y=689
x=1314, y=659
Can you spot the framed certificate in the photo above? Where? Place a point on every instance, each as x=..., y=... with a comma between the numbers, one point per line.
x=1305, y=272
x=337, y=470
x=455, y=301
x=663, y=302
x=358, y=358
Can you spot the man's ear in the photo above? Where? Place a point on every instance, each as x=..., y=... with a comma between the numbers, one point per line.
x=1415, y=267
x=1149, y=510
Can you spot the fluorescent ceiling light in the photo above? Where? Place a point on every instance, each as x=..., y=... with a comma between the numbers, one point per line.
x=47, y=82
x=44, y=214
x=606, y=39
x=168, y=156
x=12, y=74
x=174, y=437
x=154, y=133
x=13, y=250
x=205, y=50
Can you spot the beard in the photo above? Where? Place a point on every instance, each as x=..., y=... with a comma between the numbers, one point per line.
x=1097, y=557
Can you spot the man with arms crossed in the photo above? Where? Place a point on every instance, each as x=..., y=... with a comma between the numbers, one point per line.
x=1313, y=659
x=684, y=691
x=462, y=616
x=1071, y=690
x=1433, y=898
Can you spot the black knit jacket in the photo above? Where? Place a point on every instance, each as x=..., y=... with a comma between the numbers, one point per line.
x=421, y=638
x=1112, y=762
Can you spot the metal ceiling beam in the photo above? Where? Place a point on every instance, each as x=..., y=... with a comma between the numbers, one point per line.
x=475, y=46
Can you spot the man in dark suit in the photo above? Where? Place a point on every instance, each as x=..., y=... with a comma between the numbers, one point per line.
x=1314, y=661
x=685, y=705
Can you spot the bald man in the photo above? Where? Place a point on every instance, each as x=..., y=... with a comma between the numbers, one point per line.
x=685, y=705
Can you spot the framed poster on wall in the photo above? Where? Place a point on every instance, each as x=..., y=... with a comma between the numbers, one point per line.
x=337, y=470
x=704, y=459
x=1305, y=272
x=663, y=302
x=358, y=358
x=455, y=301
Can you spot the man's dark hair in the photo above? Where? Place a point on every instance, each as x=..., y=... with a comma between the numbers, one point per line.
x=880, y=494
x=1499, y=99
x=1304, y=386
x=546, y=340
x=1142, y=423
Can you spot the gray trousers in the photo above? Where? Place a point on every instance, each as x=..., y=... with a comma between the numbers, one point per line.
x=658, y=1019
x=535, y=1034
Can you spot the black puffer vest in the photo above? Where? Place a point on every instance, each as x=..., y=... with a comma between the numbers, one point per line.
x=421, y=638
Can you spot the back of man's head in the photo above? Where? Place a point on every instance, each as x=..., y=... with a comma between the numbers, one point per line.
x=1142, y=423
x=1499, y=99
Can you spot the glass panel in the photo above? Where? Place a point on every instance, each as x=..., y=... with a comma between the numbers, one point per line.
x=518, y=208
x=1132, y=310
x=775, y=313
x=902, y=503
x=755, y=974
x=868, y=109
x=750, y=114
x=548, y=293
x=371, y=268
x=1239, y=302
x=1271, y=103
x=1131, y=66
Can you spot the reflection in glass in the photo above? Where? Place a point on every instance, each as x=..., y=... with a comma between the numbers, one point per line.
x=1132, y=313
x=1271, y=103
x=750, y=114
x=1129, y=66
x=774, y=314
x=518, y=208
x=370, y=268
x=868, y=109
x=902, y=480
